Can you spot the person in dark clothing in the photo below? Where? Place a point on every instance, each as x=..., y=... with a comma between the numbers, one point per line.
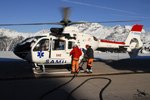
x=90, y=57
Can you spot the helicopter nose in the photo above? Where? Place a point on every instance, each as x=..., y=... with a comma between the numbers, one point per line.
x=18, y=52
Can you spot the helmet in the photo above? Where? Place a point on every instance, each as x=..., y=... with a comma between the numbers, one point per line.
x=86, y=45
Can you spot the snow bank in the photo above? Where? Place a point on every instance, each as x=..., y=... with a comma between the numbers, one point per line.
x=10, y=56
x=118, y=56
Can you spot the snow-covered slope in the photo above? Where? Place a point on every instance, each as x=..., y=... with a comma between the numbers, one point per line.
x=100, y=31
x=116, y=33
x=9, y=38
x=15, y=34
x=12, y=33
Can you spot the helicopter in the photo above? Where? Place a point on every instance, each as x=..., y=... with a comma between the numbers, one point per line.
x=54, y=48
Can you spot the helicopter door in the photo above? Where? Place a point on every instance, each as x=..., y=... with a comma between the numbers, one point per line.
x=58, y=52
x=68, y=50
x=40, y=52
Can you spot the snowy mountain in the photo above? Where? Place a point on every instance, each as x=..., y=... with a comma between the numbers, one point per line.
x=116, y=33
x=15, y=34
x=9, y=38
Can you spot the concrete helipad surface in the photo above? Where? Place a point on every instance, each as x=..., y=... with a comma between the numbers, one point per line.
x=119, y=79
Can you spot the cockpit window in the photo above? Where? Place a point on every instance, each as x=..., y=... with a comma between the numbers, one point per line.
x=70, y=44
x=58, y=45
x=30, y=40
x=43, y=45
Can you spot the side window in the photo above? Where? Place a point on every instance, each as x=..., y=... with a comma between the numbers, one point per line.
x=43, y=45
x=70, y=44
x=58, y=45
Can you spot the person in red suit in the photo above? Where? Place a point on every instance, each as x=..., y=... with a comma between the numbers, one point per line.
x=76, y=53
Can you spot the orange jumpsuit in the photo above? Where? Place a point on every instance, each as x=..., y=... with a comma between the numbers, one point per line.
x=76, y=53
x=89, y=56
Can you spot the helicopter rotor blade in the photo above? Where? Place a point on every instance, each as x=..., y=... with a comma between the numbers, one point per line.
x=31, y=24
x=68, y=23
x=117, y=21
x=105, y=22
x=66, y=13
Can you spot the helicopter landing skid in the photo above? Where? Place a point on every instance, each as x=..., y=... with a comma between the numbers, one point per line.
x=67, y=72
x=44, y=71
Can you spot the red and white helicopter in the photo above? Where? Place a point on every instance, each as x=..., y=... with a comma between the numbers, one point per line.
x=54, y=48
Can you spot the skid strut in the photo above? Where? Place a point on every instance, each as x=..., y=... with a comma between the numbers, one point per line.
x=43, y=69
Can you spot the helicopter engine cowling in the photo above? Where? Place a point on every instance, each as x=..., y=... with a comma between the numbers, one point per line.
x=57, y=30
x=71, y=30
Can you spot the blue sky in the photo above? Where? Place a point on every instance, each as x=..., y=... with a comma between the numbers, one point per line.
x=44, y=11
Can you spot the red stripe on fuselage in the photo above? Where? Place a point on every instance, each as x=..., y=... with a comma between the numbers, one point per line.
x=113, y=42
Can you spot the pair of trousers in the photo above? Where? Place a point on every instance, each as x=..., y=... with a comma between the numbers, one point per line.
x=89, y=63
x=75, y=65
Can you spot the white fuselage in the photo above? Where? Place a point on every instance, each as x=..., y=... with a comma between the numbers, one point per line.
x=54, y=49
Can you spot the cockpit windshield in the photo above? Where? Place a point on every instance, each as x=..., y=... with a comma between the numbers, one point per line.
x=30, y=40
x=27, y=44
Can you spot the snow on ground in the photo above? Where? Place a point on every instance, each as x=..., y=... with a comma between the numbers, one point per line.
x=118, y=56
x=10, y=56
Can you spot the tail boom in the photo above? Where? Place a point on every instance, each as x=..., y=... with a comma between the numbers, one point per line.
x=132, y=44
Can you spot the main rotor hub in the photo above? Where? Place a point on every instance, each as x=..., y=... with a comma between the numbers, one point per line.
x=65, y=23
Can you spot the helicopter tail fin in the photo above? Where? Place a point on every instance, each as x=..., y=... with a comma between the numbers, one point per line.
x=133, y=41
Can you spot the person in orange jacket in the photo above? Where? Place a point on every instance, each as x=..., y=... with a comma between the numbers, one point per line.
x=90, y=57
x=76, y=53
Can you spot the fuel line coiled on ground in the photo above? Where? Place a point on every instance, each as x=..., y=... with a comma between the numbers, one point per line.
x=68, y=98
x=101, y=92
